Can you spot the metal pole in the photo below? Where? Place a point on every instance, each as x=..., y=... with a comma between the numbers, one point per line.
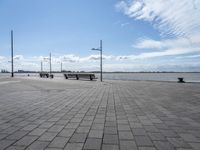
x=50, y=63
x=61, y=67
x=12, y=65
x=101, y=59
x=41, y=66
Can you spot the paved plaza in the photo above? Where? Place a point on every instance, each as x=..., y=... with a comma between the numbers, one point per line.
x=58, y=114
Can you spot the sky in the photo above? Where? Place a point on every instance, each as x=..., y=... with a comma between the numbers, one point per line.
x=137, y=35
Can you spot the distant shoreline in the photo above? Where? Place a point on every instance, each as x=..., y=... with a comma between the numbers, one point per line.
x=98, y=72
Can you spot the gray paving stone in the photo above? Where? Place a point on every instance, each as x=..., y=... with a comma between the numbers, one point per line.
x=16, y=148
x=156, y=136
x=125, y=135
x=83, y=129
x=147, y=148
x=195, y=146
x=37, y=132
x=139, y=131
x=110, y=130
x=49, y=148
x=110, y=147
x=46, y=125
x=56, y=128
x=5, y=143
x=163, y=145
x=178, y=142
x=47, y=136
x=143, y=141
x=110, y=139
x=3, y=136
x=38, y=145
x=128, y=145
x=72, y=125
x=59, y=142
x=78, y=138
x=67, y=132
x=98, y=126
x=74, y=146
x=29, y=127
x=26, y=140
x=189, y=138
x=95, y=134
x=123, y=127
x=93, y=143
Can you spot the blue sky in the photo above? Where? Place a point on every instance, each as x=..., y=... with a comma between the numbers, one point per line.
x=138, y=35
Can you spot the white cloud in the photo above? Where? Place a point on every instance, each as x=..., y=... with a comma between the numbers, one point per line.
x=178, y=17
x=91, y=63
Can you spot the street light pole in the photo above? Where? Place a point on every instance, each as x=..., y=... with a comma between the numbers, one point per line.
x=41, y=66
x=101, y=59
x=50, y=63
x=100, y=49
x=61, y=66
x=12, y=65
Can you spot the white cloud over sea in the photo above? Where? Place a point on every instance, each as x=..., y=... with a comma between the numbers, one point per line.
x=91, y=63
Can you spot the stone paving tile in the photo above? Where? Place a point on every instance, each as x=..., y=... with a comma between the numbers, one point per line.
x=146, y=148
x=74, y=146
x=110, y=147
x=46, y=125
x=16, y=148
x=47, y=136
x=195, y=146
x=178, y=142
x=56, y=128
x=3, y=136
x=5, y=143
x=67, y=132
x=143, y=141
x=95, y=134
x=26, y=140
x=110, y=130
x=78, y=138
x=156, y=137
x=29, y=127
x=110, y=139
x=37, y=132
x=49, y=148
x=128, y=145
x=125, y=135
x=93, y=143
x=82, y=129
x=59, y=142
x=163, y=145
x=189, y=138
x=139, y=131
x=38, y=145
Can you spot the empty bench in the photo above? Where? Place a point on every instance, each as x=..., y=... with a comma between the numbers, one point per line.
x=77, y=76
x=46, y=75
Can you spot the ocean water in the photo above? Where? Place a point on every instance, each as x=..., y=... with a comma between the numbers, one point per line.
x=188, y=77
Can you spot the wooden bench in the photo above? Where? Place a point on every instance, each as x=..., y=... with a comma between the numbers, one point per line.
x=80, y=75
x=46, y=75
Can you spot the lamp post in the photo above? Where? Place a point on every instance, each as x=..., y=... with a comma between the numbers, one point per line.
x=100, y=50
x=50, y=63
x=12, y=65
x=41, y=66
x=61, y=66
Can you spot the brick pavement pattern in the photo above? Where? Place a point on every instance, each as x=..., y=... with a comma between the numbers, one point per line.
x=44, y=114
